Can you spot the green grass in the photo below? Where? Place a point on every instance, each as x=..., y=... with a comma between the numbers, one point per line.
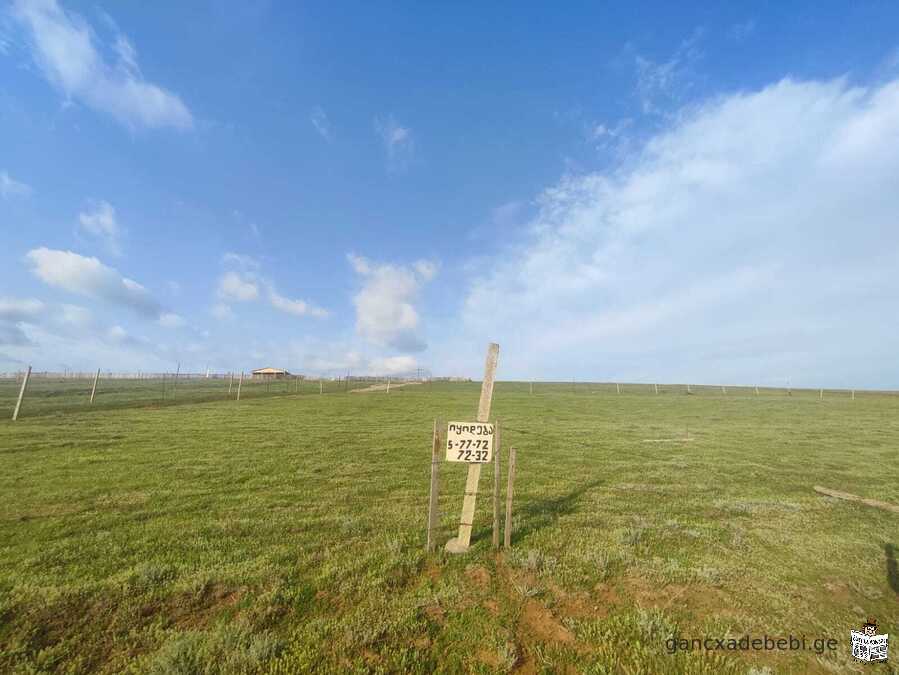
x=286, y=534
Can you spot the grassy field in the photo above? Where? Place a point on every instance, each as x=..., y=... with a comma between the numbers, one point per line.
x=286, y=534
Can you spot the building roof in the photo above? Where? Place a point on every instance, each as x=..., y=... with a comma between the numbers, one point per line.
x=269, y=371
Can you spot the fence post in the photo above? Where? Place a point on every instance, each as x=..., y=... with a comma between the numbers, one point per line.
x=388, y=385
x=510, y=486
x=657, y=388
x=496, y=469
x=175, y=381
x=461, y=542
x=15, y=414
x=230, y=384
x=617, y=388
x=756, y=391
x=853, y=394
x=94, y=388
x=435, y=486
x=239, y=382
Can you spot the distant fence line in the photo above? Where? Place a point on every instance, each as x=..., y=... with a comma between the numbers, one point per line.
x=140, y=375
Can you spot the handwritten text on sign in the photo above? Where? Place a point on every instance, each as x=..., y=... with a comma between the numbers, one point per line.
x=469, y=442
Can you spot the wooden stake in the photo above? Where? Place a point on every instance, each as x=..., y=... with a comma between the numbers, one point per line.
x=320, y=387
x=230, y=384
x=94, y=388
x=657, y=388
x=756, y=391
x=532, y=388
x=388, y=385
x=496, y=451
x=688, y=389
x=724, y=390
x=433, y=516
x=507, y=534
x=461, y=543
x=617, y=388
x=821, y=395
x=239, y=382
x=15, y=414
x=853, y=394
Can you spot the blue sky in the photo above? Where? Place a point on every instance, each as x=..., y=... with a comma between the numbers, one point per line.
x=636, y=192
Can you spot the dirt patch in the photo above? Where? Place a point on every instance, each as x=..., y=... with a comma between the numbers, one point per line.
x=540, y=622
x=479, y=576
x=382, y=387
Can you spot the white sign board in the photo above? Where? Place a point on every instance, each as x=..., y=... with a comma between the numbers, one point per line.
x=470, y=442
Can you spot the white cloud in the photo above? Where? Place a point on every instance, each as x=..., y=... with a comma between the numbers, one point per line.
x=100, y=221
x=393, y=365
x=754, y=238
x=171, y=320
x=385, y=311
x=398, y=142
x=75, y=315
x=63, y=47
x=88, y=276
x=295, y=307
x=246, y=286
x=10, y=187
x=234, y=287
x=322, y=124
x=14, y=309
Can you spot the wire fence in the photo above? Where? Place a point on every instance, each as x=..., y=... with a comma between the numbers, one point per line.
x=64, y=393
x=58, y=393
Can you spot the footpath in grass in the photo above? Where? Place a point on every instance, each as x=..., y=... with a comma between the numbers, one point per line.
x=286, y=534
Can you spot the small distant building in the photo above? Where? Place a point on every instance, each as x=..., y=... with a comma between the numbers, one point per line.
x=270, y=374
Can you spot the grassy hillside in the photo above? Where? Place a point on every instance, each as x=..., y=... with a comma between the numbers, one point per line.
x=286, y=534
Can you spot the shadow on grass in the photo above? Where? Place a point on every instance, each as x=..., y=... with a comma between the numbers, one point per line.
x=892, y=569
x=532, y=515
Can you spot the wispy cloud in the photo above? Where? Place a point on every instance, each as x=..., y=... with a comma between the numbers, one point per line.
x=294, y=307
x=740, y=32
x=661, y=85
x=398, y=143
x=10, y=187
x=63, y=46
x=99, y=221
x=322, y=124
x=386, y=314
